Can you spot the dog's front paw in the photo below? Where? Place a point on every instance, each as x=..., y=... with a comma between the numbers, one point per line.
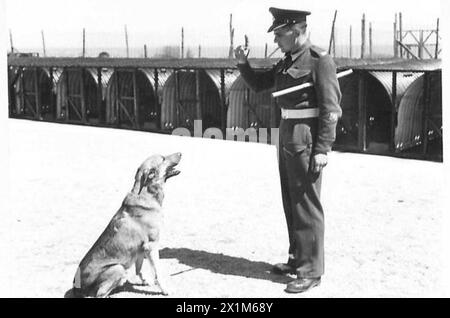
x=162, y=287
x=164, y=292
x=138, y=280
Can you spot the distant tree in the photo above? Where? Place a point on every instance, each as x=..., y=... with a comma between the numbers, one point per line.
x=104, y=55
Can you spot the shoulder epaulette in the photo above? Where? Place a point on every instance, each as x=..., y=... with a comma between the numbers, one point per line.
x=317, y=52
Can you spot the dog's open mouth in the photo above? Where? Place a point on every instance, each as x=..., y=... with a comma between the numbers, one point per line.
x=171, y=172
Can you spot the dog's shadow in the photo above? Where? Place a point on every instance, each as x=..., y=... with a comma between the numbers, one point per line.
x=216, y=263
x=223, y=264
x=126, y=288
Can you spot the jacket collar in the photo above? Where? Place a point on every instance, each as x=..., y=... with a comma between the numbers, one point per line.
x=295, y=55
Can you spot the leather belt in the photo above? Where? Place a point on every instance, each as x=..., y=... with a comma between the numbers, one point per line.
x=299, y=113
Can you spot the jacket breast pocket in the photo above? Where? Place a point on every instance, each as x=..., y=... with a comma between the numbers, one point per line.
x=297, y=73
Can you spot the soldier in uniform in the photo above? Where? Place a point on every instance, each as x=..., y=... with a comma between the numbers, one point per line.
x=307, y=131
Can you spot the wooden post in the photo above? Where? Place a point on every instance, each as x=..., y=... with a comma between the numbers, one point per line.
x=198, y=102
x=66, y=103
x=12, y=98
x=224, y=102
x=425, y=112
x=83, y=95
x=363, y=35
x=101, y=112
x=436, y=50
x=334, y=43
x=43, y=43
x=157, y=106
x=332, y=32
x=370, y=39
x=182, y=43
x=126, y=41
x=177, y=99
x=145, y=50
x=84, y=42
x=135, y=101
x=350, y=44
x=247, y=104
x=231, y=31
x=400, y=33
x=52, y=101
x=420, y=45
x=199, y=51
x=395, y=37
x=11, y=41
x=21, y=107
x=393, y=111
x=115, y=112
x=265, y=51
x=36, y=96
x=362, y=111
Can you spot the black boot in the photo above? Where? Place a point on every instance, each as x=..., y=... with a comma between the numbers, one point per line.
x=301, y=285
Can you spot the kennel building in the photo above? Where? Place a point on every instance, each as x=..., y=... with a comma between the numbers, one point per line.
x=196, y=94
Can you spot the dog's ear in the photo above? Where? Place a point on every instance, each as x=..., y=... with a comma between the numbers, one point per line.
x=143, y=179
x=149, y=175
x=137, y=181
x=147, y=178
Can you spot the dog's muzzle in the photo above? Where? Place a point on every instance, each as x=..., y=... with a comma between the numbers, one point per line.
x=174, y=159
x=171, y=172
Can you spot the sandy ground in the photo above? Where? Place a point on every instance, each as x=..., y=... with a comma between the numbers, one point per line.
x=224, y=223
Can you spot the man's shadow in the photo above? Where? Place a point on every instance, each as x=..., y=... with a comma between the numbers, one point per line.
x=223, y=264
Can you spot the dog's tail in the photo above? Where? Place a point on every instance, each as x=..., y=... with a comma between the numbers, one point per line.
x=77, y=279
x=76, y=291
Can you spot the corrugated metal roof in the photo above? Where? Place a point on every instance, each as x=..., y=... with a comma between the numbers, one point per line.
x=184, y=113
x=379, y=105
x=247, y=108
x=106, y=75
x=24, y=88
x=56, y=74
x=347, y=128
x=13, y=73
x=229, y=78
x=403, y=81
x=163, y=75
x=124, y=90
x=149, y=74
x=70, y=83
x=408, y=132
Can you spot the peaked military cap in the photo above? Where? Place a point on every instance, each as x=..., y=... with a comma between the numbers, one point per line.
x=282, y=17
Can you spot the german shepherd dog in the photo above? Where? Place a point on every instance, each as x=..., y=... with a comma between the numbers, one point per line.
x=131, y=235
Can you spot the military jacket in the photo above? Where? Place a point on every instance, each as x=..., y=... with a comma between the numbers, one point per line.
x=312, y=64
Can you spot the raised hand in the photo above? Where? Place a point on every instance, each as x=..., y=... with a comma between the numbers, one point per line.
x=241, y=53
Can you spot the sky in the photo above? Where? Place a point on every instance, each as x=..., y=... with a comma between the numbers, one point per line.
x=206, y=23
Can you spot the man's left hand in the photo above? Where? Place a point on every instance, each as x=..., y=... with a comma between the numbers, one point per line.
x=318, y=162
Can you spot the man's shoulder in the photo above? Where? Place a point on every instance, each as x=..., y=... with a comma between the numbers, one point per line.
x=317, y=52
x=320, y=58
